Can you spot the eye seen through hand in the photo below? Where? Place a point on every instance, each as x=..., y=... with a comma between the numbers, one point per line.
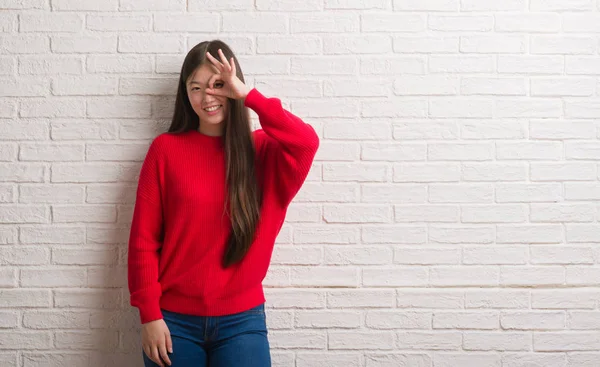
x=218, y=84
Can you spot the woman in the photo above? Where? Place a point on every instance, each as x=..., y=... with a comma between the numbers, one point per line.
x=211, y=199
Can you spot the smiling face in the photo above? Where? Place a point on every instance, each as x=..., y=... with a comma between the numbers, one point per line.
x=211, y=110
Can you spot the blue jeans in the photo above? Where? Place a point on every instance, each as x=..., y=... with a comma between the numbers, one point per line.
x=238, y=340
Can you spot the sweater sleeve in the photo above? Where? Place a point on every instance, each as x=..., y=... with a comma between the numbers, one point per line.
x=292, y=143
x=145, y=240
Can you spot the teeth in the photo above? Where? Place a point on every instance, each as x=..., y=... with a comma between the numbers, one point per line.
x=211, y=109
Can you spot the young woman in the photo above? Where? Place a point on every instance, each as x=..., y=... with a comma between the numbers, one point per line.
x=212, y=197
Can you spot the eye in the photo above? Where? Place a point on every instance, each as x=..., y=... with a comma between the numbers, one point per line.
x=218, y=84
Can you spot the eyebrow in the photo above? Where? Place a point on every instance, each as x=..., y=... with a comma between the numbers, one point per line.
x=197, y=82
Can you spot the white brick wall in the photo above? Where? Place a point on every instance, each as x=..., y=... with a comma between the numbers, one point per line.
x=451, y=217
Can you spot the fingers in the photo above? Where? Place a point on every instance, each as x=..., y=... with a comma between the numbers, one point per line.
x=163, y=353
x=216, y=62
x=169, y=343
x=156, y=357
x=224, y=60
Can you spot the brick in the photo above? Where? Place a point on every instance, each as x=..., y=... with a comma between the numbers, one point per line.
x=426, y=172
x=563, y=87
x=88, y=85
x=211, y=5
x=532, y=22
x=561, y=129
x=361, y=298
x=463, y=151
x=530, y=276
x=355, y=255
x=487, y=171
x=426, y=213
x=54, y=359
x=50, y=22
x=51, y=234
x=359, y=172
x=357, y=88
x=84, y=5
x=425, y=45
x=84, y=44
x=25, y=44
x=324, y=276
x=561, y=341
x=254, y=23
x=325, y=360
x=464, y=276
x=15, y=298
x=394, y=277
x=529, y=151
x=391, y=65
x=499, y=255
x=518, y=64
x=396, y=193
x=461, y=64
x=50, y=65
x=395, y=107
x=478, y=5
x=465, y=108
x=392, y=22
x=505, y=341
x=430, y=340
x=532, y=320
x=393, y=152
x=493, y=86
x=53, y=277
x=460, y=23
x=426, y=85
x=562, y=299
x=150, y=43
x=521, y=108
x=582, y=109
x=461, y=234
x=288, y=5
x=558, y=5
x=268, y=65
x=338, y=151
x=357, y=340
x=63, y=256
x=552, y=45
x=119, y=64
x=25, y=340
x=466, y=320
x=511, y=44
x=55, y=320
x=361, y=45
x=25, y=4
x=325, y=234
x=570, y=171
x=24, y=256
x=529, y=233
x=498, y=298
x=325, y=107
x=493, y=214
x=8, y=65
x=426, y=129
x=566, y=255
x=357, y=4
x=299, y=339
x=88, y=298
x=190, y=22
x=316, y=22
x=13, y=214
x=394, y=234
x=528, y=192
x=427, y=5
x=460, y=193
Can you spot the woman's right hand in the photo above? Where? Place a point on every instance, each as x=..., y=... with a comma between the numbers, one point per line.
x=156, y=341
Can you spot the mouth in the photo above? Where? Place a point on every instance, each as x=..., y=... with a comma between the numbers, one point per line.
x=212, y=108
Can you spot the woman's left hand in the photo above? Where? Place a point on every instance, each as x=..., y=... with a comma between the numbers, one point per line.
x=226, y=83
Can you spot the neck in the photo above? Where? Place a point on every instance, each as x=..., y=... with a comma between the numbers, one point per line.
x=211, y=130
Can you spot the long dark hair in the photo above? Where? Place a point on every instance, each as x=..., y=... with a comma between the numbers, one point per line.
x=244, y=196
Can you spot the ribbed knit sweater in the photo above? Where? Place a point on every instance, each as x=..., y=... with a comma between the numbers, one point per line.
x=180, y=228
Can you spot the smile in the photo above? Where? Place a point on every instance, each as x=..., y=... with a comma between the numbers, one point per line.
x=212, y=109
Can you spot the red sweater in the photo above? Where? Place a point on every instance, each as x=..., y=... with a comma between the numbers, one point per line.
x=181, y=194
